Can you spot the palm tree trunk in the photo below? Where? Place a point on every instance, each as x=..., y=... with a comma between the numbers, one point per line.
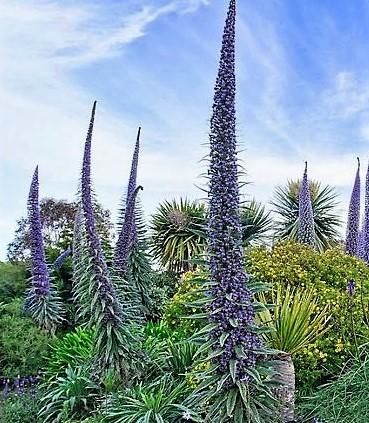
x=283, y=366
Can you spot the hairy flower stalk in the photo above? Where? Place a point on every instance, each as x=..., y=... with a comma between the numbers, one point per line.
x=112, y=346
x=363, y=240
x=58, y=263
x=128, y=230
x=231, y=308
x=305, y=230
x=353, y=219
x=41, y=301
x=232, y=389
x=127, y=235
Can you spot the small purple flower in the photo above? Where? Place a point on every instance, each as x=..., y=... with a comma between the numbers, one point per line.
x=351, y=287
x=353, y=219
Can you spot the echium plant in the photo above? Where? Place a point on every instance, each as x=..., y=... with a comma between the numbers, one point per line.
x=363, y=240
x=131, y=261
x=127, y=234
x=113, y=340
x=305, y=230
x=235, y=388
x=41, y=300
x=353, y=219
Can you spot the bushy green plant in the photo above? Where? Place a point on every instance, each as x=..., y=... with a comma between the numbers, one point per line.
x=12, y=281
x=344, y=400
x=73, y=349
x=22, y=344
x=327, y=273
x=70, y=396
x=155, y=403
x=19, y=409
x=178, y=308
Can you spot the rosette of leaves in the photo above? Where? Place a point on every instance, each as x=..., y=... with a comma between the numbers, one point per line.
x=324, y=204
x=178, y=234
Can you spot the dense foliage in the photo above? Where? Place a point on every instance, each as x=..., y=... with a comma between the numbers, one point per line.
x=203, y=319
x=327, y=273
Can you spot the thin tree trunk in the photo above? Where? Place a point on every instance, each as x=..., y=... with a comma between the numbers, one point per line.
x=283, y=366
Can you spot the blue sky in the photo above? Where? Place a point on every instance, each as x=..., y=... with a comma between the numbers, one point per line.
x=303, y=94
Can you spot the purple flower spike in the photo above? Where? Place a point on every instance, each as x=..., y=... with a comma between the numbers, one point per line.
x=40, y=274
x=128, y=233
x=231, y=308
x=363, y=247
x=125, y=240
x=305, y=231
x=351, y=287
x=58, y=263
x=353, y=218
x=105, y=289
x=41, y=302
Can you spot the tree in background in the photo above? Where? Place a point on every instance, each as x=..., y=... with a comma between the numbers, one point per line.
x=256, y=222
x=57, y=218
x=177, y=234
x=324, y=203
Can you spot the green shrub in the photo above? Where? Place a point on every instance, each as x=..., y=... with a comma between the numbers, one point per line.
x=328, y=274
x=12, y=281
x=73, y=349
x=157, y=402
x=19, y=409
x=70, y=396
x=180, y=305
x=345, y=400
x=22, y=344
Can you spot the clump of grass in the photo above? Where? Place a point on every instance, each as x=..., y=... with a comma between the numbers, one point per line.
x=345, y=400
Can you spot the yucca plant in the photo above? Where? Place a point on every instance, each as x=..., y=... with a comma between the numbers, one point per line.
x=159, y=402
x=177, y=234
x=324, y=203
x=295, y=322
x=256, y=222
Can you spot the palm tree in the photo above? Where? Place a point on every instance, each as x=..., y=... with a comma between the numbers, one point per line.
x=295, y=322
x=178, y=234
x=256, y=223
x=324, y=203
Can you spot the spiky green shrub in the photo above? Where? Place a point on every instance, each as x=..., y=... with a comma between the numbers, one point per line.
x=154, y=403
x=328, y=274
x=72, y=350
x=71, y=395
x=256, y=223
x=177, y=234
x=324, y=203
